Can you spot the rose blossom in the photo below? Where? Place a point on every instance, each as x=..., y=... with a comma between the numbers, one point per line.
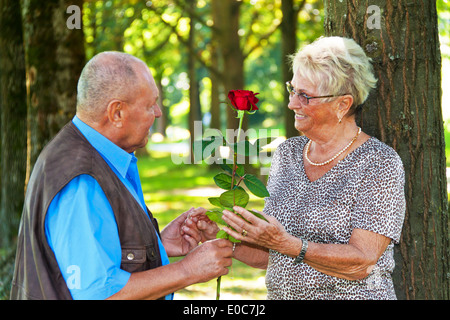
x=243, y=100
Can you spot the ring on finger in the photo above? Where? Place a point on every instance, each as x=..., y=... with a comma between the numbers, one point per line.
x=244, y=232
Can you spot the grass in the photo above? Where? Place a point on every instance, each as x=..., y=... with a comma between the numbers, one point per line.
x=170, y=190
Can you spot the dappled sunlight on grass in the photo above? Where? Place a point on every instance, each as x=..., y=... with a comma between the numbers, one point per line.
x=162, y=174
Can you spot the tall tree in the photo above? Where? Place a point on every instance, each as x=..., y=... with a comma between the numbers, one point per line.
x=106, y=22
x=54, y=57
x=230, y=43
x=13, y=114
x=288, y=47
x=401, y=37
x=227, y=25
x=195, y=112
x=216, y=116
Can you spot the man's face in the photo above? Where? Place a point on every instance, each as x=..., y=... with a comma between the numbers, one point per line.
x=141, y=113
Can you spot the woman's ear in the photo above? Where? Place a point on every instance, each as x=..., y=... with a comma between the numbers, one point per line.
x=115, y=113
x=344, y=105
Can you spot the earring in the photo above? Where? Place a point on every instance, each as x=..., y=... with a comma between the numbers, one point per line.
x=340, y=120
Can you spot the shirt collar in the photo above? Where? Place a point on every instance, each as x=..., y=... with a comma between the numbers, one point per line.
x=116, y=156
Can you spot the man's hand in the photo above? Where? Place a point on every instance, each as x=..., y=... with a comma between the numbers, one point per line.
x=178, y=239
x=205, y=262
x=208, y=261
x=199, y=220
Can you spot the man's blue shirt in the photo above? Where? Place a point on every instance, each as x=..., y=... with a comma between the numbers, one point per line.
x=81, y=228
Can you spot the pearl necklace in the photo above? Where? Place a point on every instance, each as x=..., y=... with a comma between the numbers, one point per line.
x=337, y=154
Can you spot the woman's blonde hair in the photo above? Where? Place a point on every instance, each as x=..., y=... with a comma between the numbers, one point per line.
x=336, y=66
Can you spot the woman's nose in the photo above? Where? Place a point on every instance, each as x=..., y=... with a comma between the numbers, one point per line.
x=293, y=103
x=158, y=112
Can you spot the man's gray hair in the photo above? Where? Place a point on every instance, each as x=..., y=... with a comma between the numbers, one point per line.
x=107, y=76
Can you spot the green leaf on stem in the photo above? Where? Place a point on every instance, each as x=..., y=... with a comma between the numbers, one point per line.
x=215, y=201
x=235, y=197
x=229, y=168
x=216, y=216
x=223, y=181
x=223, y=235
x=255, y=186
x=240, y=170
x=257, y=214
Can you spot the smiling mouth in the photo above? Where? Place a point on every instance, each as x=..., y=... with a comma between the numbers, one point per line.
x=299, y=116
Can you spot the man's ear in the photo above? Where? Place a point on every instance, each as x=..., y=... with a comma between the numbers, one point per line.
x=115, y=113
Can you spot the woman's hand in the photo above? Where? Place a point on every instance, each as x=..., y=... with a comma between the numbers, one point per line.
x=268, y=234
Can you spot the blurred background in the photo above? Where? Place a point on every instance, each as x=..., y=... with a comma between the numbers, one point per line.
x=197, y=51
x=188, y=45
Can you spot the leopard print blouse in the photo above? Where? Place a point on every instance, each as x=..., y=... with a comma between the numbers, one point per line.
x=365, y=190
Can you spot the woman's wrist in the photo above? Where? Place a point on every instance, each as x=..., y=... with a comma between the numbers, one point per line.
x=291, y=247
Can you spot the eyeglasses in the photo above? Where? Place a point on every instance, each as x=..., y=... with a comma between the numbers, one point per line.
x=304, y=98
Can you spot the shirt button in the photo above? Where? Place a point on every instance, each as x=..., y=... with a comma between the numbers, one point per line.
x=130, y=256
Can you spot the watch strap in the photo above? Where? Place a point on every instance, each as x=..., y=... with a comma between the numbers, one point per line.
x=302, y=253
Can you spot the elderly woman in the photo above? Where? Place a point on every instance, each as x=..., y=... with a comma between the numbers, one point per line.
x=336, y=204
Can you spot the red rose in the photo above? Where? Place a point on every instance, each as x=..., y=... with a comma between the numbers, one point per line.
x=243, y=99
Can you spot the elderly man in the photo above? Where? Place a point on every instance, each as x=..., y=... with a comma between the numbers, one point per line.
x=86, y=232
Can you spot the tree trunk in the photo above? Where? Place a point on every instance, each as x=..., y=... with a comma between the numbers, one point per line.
x=227, y=25
x=13, y=115
x=195, y=113
x=288, y=47
x=163, y=121
x=216, y=115
x=54, y=56
x=405, y=112
x=216, y=84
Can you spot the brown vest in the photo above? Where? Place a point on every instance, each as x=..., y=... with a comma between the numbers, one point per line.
x=69, y=154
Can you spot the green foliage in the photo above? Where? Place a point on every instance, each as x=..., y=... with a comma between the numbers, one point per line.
x=231, y=177
x=255, y=186
x=223, y=181
x=208, y=147
x=158, y=31
x=443, y=9
x=447, y=141
x=234, y=197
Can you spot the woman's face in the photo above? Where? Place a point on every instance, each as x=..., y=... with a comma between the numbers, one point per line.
x=315, y=116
